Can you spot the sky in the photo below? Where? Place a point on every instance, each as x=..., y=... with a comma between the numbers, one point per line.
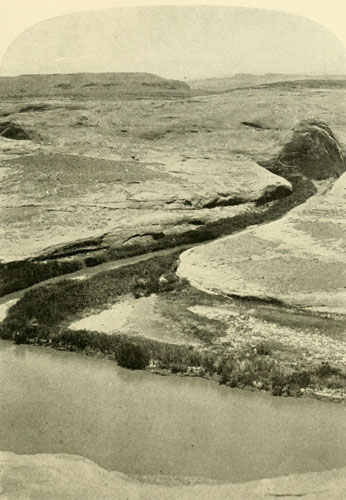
x=18, y=15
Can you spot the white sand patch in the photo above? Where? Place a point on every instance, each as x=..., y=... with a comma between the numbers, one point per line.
x=107, y=321
x=219, y=313
x=80, y=278
x=5, y=307
x=135, y=317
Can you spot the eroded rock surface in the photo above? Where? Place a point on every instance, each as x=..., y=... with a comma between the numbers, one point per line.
x=299, y=260
x=52, y=199
x=126, y=172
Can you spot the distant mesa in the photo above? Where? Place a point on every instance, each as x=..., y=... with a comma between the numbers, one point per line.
x=309, y=82
x=91, y=85
x=179, y=42
x=269, y=80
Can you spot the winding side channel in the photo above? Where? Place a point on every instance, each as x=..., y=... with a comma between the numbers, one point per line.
x=138, y=423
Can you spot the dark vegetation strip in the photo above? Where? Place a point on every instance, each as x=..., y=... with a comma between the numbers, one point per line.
x=40, y=317
x=16, y=276
x=258, y=367
x=48, y=306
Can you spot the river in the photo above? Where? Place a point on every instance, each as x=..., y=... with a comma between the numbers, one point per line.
x=139, y=423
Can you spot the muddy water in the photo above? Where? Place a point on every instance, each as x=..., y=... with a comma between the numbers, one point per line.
x=138, y=423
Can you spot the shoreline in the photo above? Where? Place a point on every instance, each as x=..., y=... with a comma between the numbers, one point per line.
x=46, y=473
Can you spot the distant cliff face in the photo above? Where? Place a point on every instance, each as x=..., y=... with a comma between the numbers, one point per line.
x=176, y=42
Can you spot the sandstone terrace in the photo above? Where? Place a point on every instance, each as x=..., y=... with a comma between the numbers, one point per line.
x=159, y=134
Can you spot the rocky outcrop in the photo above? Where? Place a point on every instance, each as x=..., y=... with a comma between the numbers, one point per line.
x=314, y=150
x=11, y=130
x=55, y=477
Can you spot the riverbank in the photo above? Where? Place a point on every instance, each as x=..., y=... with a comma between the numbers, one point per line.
x=226, y=340
x=75, y=477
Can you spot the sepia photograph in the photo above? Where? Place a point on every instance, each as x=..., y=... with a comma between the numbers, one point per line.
x=172, y=250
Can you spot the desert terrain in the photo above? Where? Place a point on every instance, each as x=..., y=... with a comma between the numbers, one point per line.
x=98, y=180
x=183, y=232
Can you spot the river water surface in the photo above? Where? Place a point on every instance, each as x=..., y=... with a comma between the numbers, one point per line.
x=139, y=423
